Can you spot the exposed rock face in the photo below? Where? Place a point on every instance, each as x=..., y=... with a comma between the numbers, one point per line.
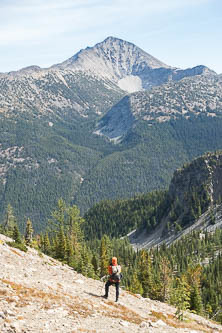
x=198, y=186
x=39, y=294
x=88, y=83
x=195, y=189
x=204, y=172
x=126, y=64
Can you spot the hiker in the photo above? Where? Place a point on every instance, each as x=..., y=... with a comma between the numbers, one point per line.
x=114, y=277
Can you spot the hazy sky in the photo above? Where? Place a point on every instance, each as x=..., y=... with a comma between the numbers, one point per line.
x=181, y=33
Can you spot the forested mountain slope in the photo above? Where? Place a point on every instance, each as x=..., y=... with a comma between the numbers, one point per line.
x=192, y=202
x=49, y=142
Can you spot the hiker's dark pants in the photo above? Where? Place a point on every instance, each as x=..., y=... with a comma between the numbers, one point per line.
x=110, y=283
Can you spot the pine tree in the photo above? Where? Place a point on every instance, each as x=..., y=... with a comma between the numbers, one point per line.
x=28, y=233
x=58, y=217
x=61, y=244
x=85, y=265
x=193, y=277
x=9, y=222
x=136, y=285
x=165, y=279
x=180, y=296
x=104, y=256
x=145, y=274
x=95, y=264
x=69, y=252
x=46, y=244
x=16, y=234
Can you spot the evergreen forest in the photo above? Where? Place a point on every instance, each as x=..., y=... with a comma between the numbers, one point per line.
x=41, y=164
x=186, y=274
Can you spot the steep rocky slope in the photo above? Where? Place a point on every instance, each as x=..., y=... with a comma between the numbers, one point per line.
x=193, y=203
x=87, y=84
x=39, y=294
x=127, y=65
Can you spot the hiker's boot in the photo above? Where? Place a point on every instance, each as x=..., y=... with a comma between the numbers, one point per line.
x=105, y=296
x=116, y=299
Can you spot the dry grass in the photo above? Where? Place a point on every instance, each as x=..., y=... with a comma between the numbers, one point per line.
x=3, y=292
x=84, y=330
x=15, y=252
x=172, y=321
x=78, y=306
x=121, y=312
x=20, y=318
x=25, y=294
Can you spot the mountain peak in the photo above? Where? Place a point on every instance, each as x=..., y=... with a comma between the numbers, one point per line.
x=118, y=61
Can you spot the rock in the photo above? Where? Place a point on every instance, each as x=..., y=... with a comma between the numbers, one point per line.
x=9, y=313
x=2, y=315
x=124, y=323
x=159, y=323
x=144, y=324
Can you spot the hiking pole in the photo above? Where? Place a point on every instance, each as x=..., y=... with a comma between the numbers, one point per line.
x=103, y=279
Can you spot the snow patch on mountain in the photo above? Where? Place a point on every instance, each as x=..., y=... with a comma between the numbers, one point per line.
x=130, y=83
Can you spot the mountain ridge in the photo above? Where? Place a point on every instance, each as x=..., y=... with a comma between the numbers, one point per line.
x=47, y=121
x=121, y=62
x=188, y=97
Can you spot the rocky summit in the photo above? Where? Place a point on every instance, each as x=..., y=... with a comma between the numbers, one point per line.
x=40, y=294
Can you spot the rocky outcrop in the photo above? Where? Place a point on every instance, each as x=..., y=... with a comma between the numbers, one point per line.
x=203, y=174
x=39, y=294
x=193, y=203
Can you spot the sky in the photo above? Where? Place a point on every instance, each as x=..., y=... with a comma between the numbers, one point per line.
x=180, y=33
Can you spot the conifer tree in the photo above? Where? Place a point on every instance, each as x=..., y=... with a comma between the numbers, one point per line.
x=69, y=252
x=28, y=232
x=58, y=217
x=61, y=244
x=180, y=296
x=85, y=265
x=165, y=279
x=104, y=256
x=46, y=244
x=136, y=285
x=193, y=277
x=16, y=234
x=9, y=222
x=146, y=274
x=95, y=264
